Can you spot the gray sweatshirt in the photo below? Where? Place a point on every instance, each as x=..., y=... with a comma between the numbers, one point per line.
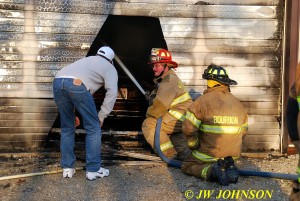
x=95, y=72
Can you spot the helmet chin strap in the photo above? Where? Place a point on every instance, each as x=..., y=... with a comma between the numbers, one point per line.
x=162, y=72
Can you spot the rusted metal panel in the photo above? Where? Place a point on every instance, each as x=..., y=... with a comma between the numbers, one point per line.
x=227, y=45
x=39, y=37
x=208, y=2
x=194, y=10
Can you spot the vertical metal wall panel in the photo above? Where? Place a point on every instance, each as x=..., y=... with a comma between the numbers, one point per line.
x=39, y=37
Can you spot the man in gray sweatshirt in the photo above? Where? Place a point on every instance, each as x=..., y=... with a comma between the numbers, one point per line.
x=73, y=87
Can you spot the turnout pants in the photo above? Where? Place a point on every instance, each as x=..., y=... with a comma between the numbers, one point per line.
x=197, y=168
x=170, y=127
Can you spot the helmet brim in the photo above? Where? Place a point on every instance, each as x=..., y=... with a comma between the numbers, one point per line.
x=228, y=82
x=175, y=65
x=232, y=82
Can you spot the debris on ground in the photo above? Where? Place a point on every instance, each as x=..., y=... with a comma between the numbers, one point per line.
x=138, y=180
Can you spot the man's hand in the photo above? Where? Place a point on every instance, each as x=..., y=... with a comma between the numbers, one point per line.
x=77, y=121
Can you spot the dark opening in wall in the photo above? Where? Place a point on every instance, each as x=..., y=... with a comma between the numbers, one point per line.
x=131, y=37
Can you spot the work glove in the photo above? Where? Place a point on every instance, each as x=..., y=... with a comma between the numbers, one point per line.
x=150, y=96
x=193, y=142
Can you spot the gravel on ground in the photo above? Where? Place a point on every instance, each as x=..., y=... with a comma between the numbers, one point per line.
x=140, y=182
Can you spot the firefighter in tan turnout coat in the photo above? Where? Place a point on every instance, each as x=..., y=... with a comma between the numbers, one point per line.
x=295, y=133
x=214, y=127
x=171, y=102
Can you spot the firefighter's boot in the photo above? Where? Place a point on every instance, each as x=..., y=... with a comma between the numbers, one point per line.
x=295, y=194
x=231, y=169
x=180, y=144
x=218, y=173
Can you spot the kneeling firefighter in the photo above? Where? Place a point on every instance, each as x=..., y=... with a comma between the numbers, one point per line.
x=293, y=114
x=170, y=101
x=214, y=127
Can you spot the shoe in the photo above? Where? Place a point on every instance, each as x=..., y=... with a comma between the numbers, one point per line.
x=231, y=169
x=102, y=172
x=219, y=173
x=68, y=172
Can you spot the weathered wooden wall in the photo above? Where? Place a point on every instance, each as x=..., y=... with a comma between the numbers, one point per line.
x=39, y=37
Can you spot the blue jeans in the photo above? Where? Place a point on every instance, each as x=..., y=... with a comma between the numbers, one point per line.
x=68, y=97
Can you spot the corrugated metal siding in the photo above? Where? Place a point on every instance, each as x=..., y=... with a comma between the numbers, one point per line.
x=39, y=37
x=244, y=37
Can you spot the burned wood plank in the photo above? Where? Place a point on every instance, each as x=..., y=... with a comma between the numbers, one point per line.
x=134, y=155
x=104, y=132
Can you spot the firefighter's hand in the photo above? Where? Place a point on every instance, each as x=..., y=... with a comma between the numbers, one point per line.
x=193, y=143
x=77, y=121
x=150, y=96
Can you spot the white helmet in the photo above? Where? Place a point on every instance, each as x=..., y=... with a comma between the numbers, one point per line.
x=107, y=52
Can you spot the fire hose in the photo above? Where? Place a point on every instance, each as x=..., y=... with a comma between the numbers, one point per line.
x=171, y=162
x=177, y=164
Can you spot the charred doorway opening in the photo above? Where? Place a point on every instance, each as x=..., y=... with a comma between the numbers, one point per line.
x=131, y=37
